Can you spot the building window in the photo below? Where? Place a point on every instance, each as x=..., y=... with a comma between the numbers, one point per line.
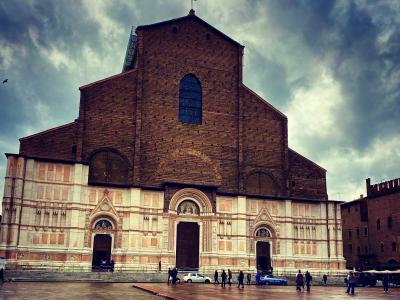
x=350, y=248
x=378, y=224
x=190, y=102
x=394, y=247
x=390, y=222
x=358, y=250
x=108, y=167
x=382, y=247
x=365, y=231
x=349, y=234
x=358, y=232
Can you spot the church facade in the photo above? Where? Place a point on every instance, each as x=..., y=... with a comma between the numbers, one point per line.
x=176, y=161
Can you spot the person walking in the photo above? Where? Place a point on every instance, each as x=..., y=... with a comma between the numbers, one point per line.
x=299, y=281
x=229, y=277
x=223, y=278
x=241, y=279
x=248, y=278
x=159, y=266
x=325, y=278
x=174, y=275
x=351, y=283
x=385, y=282
x=308, y=280
x=169, y=275
x=216, y=277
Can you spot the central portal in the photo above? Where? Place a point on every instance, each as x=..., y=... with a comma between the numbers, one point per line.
x=263, y=257
x=187, y=246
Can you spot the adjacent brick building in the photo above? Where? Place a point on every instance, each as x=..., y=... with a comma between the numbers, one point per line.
x=371, y=227
x=175, y=157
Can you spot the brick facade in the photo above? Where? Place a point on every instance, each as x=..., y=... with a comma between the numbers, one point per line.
x=371, y=227
x=136, y=114
x=129, y=160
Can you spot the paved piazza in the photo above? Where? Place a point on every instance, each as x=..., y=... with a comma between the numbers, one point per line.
x=82, y=291
x=72, y=290
x=203, y=292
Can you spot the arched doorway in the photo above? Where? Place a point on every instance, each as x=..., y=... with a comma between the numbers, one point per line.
x=187, y=246
x=263, y=250
x=187, y=237
x=102, y=243
x=263, y=256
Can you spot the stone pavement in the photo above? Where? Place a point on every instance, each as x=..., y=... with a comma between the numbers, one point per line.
x=71, y=291
x=210, y=291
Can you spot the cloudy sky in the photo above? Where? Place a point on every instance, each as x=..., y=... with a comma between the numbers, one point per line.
x=333, y=67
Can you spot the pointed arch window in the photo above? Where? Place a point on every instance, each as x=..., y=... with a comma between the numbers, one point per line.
x=190, y=100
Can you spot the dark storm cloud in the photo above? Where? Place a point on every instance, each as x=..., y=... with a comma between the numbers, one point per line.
x=345, y=37
x=50, y=48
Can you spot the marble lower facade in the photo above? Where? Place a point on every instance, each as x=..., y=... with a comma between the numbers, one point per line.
x=53, y=218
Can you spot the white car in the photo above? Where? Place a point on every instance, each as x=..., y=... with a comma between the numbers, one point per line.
x=196, y=277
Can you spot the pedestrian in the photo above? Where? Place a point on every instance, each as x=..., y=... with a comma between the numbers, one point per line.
x=169, y=275
x=299, y=281
x=248, y=278
x=159, y=266
x=216, y=277
x=174, y=275
x=308, y=280
x=229, y=277
x=112, y=265
x=241, y=279
x=351, y=283
x=223, y=278
x=325, y=278
x=385, y=282
x=1, y=275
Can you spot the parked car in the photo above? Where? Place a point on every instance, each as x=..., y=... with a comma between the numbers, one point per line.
x=270, y=280
x=196, y=277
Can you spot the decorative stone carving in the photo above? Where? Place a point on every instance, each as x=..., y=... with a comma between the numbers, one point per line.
x=263, y=232
x=188, y=207
x=103, y=225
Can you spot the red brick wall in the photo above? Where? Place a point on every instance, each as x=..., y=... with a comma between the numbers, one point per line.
x=381, y=208
x=351, y=221
x=107, y=116
x=306, y=179
x=136, y=113
x=54, y=143
x=264, y=139
x=173, y=151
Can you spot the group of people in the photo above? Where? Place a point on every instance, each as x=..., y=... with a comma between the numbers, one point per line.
x=301, y=279
x=173, y=276
x=227, y=278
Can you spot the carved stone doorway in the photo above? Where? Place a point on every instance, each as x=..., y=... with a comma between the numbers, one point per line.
x=187, y=246
x=263, y=252
x=101, y=249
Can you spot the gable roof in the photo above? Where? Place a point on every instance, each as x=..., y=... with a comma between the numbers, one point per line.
x=190, y=16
